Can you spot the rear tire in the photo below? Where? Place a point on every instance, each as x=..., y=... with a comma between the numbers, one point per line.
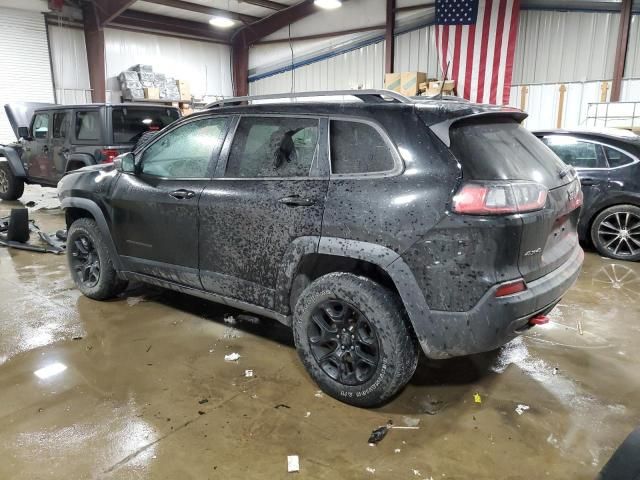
x=615, y=232
x=11, y=188
x=90, y=263
x=353, y=339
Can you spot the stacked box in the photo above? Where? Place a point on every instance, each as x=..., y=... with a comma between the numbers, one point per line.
x=142, y=68
x=130, y=86
x=147, y=79
x=131, y=94
x=185, y=91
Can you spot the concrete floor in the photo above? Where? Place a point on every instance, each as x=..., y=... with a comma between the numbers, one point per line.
x=146, y=392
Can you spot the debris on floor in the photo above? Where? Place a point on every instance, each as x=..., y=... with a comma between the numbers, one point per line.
x=431, y=405
x=416, y=473
x=77, y=337
x=15, y=231
x=307, y=415
x=293, y=463
x=232, y=357
x=281, y=405
x=397, y=450
x=521, y=408
x=230, y=319
x=580, y=327
x=248, y=373
x=319, y=394
x=203, y=401
x=410, y=421
x=370, y=470
x=556, y=370
x=133, y=301
x=477, y=398
x=379, y=433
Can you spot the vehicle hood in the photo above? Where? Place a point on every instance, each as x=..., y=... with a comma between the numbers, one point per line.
x=19, y=114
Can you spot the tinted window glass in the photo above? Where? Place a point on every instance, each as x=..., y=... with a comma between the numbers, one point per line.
x=495, y=149
x=186, y=151
x=616, y=158
x=358, y=148
x=88, y=125
x=130, y=123
x=574, y=152
x=60, y=125
x=41, y=125
x=273, y=147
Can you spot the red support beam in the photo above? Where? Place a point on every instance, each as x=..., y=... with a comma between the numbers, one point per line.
x=196, y=7
x=621, y=50
x=388, y=36
x=253, y=33
x=94, y=39
x=107, y=10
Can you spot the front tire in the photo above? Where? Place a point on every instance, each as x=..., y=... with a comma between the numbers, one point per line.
x=353, y=339
x=90, y=263
x=11, y=188
x=615, y=232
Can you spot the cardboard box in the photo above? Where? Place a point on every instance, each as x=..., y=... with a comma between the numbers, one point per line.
x=449, y=85
x=410, y=82
x=392, y=82
x=152, y=93
x=184, y=89
x=186, y=111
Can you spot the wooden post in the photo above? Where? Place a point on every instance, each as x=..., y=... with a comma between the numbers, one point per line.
x=621, y=50
x=563, y=89
x=604, y=88
x=94, y=39
x=524, y=91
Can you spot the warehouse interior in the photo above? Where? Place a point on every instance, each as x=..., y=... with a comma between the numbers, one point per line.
x=157, y=383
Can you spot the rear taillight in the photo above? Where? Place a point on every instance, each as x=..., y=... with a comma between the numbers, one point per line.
x=108, y=154
x=575, y=196
x=499, y=198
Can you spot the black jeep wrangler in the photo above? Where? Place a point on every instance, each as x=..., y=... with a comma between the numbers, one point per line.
x=374, y=228
x=56, y=139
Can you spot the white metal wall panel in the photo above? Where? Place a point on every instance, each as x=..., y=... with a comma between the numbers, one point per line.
x=416, y=51
x=632, y=67
x=630, y=90
x=70, y=66
x=361, y=68
x=206, y=66
x=24, y=63
x=565, y=46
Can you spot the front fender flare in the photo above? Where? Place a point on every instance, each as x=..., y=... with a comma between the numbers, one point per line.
x=95, y=211
x=83, y=158
x=15, y=164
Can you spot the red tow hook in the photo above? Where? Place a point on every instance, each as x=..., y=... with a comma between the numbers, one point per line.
x=539, y=320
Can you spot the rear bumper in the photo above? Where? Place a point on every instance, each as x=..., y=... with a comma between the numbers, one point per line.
x=495, y=321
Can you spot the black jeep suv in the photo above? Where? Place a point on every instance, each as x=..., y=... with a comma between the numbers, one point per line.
x=374, y=228
x=56, y=139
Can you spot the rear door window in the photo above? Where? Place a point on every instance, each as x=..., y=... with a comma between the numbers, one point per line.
x=273, y=147
x=40, y=127
x=358, y=148
x=60, y=124
x=88, y=125
x=577, y=153
x=616, y=158
x=130, y=123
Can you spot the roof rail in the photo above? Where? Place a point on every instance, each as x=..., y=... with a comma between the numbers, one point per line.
x=377, y=96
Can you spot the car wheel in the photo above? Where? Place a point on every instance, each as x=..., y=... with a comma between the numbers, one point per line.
x=615, y=232
x=11, y=188
x=354, y=340
x=90, y=263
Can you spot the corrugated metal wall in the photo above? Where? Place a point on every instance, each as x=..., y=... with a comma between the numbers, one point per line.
x=69, y=63
x=207, y=66
x=632, y=67
x=416, y=51
x=565, y=46
x=360, y=68
x=24, y=63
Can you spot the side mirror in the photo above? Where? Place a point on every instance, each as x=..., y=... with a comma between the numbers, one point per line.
x=125, y=163
x=23, y=132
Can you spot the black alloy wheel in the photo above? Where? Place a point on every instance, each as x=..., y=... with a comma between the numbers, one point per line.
x=85, y=262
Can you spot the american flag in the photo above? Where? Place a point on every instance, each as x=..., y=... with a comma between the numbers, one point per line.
x=477, y=38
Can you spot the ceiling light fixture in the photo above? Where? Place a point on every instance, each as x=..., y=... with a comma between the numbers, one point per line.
x=222, y=22
x=328, y=4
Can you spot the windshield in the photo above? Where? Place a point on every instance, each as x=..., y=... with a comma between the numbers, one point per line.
x=129, y=123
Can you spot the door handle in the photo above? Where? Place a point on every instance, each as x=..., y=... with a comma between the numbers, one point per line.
x=588, y=181
x=296, y=201
x=182, y=194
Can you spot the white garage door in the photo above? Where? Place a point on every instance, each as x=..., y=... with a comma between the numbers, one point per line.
x=25, y=71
